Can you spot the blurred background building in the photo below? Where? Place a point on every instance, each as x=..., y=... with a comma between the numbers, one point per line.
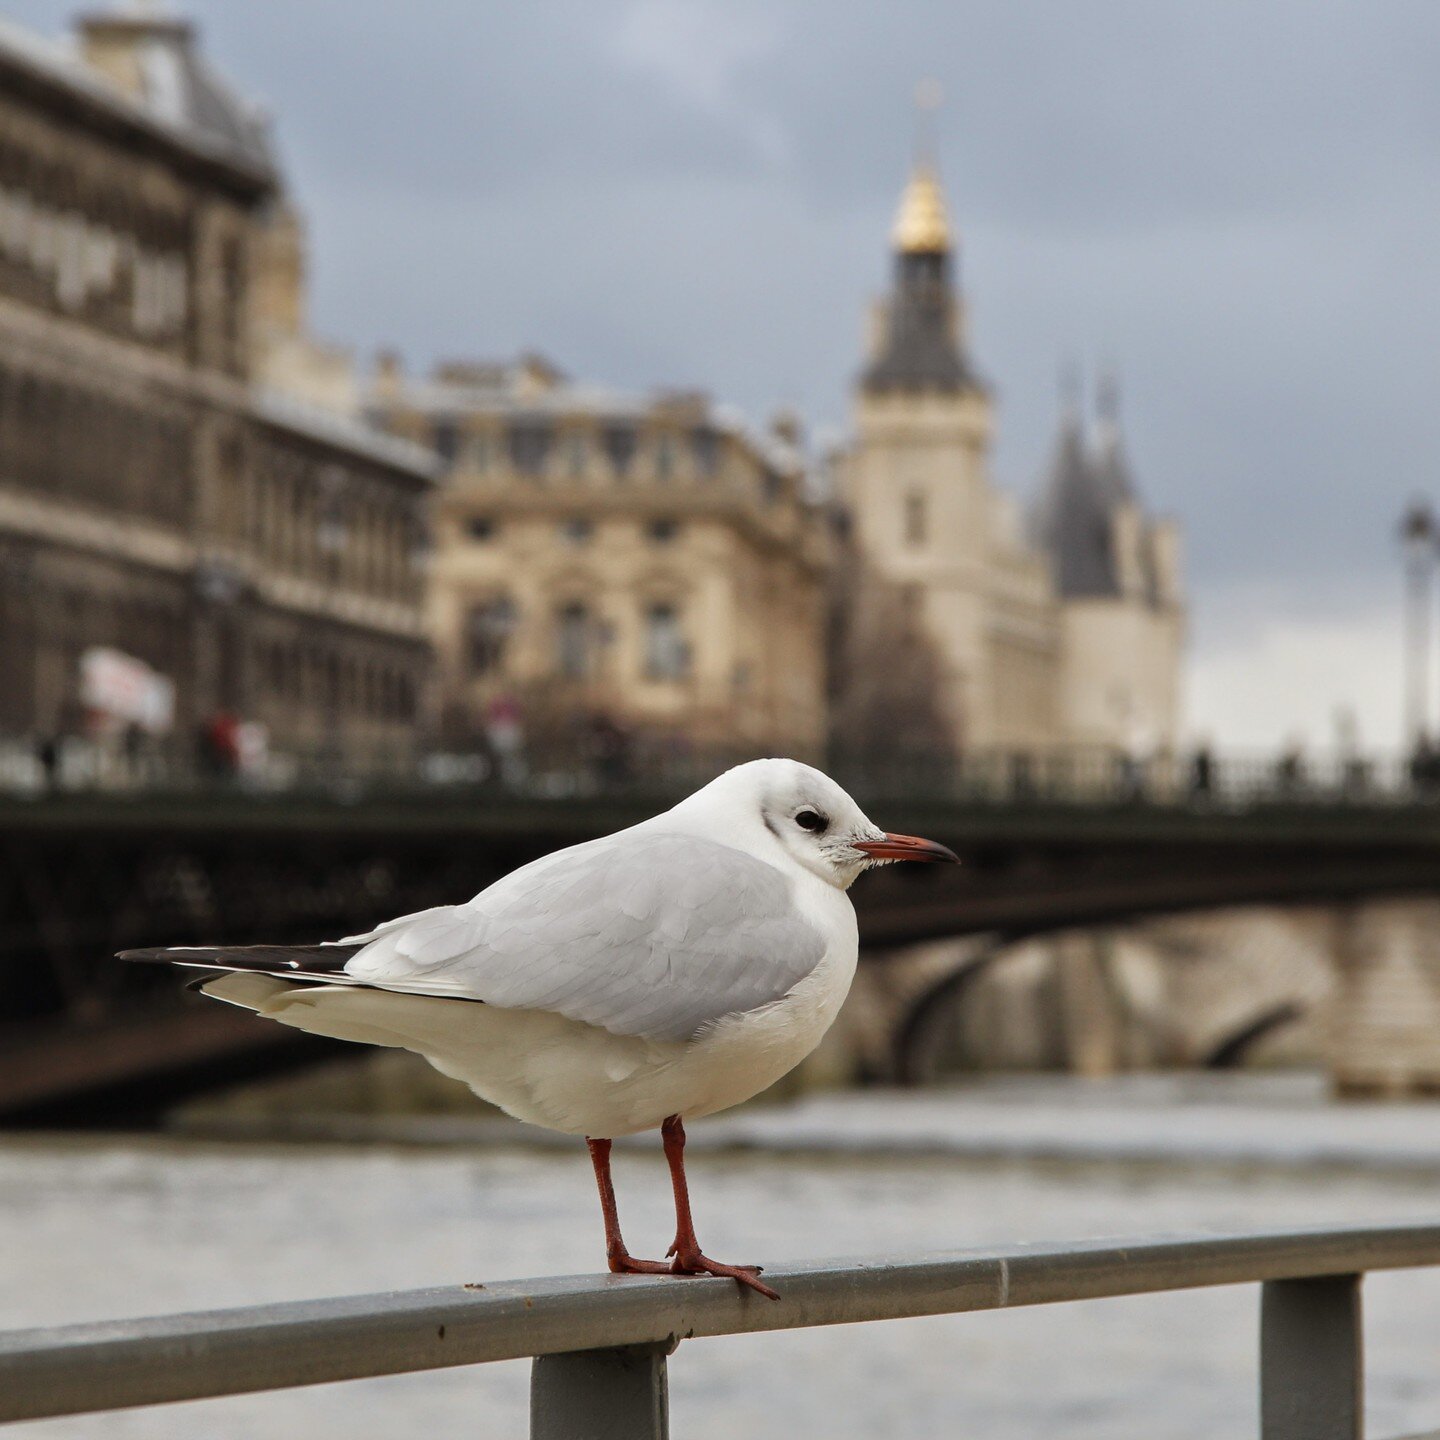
x=186, y=547
x=209, y=530
x=1065, y=631
x=644, y=565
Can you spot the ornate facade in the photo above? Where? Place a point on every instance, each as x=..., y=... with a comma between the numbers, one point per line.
x=1062, y=632
x=643, y=560
x=261, y=555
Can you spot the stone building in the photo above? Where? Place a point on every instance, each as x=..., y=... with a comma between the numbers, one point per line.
x=1116, y=572
x=157, y=499
x=1059, y=633
x=644, y=560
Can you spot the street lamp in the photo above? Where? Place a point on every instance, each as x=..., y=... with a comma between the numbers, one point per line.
x=1418, y=535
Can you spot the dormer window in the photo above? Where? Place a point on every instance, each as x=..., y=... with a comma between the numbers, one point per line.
x=445, y=436
x=620, y=442
x=705, y=447
x=530, y=447
x=577, y=456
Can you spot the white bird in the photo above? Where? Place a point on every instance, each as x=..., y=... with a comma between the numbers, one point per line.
x=661, y=973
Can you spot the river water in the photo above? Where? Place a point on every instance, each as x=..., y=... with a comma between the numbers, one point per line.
x=94, y=1228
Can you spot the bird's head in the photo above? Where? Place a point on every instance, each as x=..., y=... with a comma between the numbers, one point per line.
x=812, y=819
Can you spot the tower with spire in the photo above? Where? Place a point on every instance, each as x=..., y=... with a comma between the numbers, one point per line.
x=1060, y=633
x=924, y=516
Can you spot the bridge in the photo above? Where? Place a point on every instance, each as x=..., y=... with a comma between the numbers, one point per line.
x=83, y=874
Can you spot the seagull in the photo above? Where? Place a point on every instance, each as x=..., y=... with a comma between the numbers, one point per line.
x=662, y=973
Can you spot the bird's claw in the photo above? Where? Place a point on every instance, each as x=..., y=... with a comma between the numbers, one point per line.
x=692, y=1262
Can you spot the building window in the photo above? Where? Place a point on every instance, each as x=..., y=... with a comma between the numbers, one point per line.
x=578, y=456
x=530, y=447
x=489, y=627
x=445, y=436
x=664, y=458
x=772, y=486
x=480, y=527
x=917, y=520
x=577, y=530
x=573, y=637
x=620, y=442
x=662, y=531
x=480, y=453
x=667, y=657
x=705, y=446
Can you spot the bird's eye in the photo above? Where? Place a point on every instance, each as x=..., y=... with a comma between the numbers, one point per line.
x=811, y=820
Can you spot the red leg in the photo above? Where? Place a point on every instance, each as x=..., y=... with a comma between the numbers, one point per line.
x=686, y=1249
x=620, y=1260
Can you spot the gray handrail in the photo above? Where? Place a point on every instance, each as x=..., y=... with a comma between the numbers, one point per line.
x=111, y=1365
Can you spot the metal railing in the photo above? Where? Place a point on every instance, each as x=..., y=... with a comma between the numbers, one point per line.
x=600, y=1342
x=1087, y=776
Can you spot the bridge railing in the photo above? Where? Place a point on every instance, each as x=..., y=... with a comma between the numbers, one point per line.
x=1075, y=775
x=599, y=1344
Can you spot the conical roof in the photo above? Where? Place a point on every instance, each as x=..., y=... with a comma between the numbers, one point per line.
x=1074, y=521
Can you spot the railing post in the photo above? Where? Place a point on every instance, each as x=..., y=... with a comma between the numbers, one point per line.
x=601, y=1394
x=1311, y=1372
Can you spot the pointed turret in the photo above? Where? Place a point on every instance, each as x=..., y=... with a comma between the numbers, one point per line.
x=1075, y=519
x=919, y=336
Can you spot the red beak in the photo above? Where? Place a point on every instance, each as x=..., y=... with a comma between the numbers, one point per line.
x=905, y=847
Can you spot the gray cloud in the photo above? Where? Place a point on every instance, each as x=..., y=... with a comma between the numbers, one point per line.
x=1234, y=202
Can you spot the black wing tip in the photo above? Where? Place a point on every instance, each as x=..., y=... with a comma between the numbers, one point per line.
x=162, y=955
x=277, y=959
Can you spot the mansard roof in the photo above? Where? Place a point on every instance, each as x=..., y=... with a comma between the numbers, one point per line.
x=175, y=82
x=206, y=122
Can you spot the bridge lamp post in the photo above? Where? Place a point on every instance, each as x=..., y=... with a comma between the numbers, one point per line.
x=1418, y=536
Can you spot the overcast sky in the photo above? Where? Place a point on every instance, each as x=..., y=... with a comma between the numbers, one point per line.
x=1236, y=202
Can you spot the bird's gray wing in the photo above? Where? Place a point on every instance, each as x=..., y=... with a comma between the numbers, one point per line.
x=647, y=934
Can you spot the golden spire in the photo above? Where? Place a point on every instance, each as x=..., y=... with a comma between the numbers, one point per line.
x=922, y=227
